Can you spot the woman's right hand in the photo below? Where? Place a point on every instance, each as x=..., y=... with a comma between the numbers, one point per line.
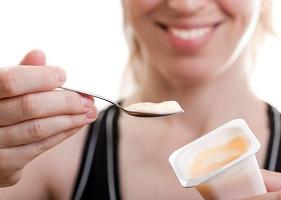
x=33, y=116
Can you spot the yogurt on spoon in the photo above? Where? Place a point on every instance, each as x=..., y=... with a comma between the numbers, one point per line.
x=165, y=107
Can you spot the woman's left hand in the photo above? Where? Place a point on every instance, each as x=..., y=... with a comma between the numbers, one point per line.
x=272, y=182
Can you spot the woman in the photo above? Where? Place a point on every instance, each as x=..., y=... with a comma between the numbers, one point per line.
x=197, y=52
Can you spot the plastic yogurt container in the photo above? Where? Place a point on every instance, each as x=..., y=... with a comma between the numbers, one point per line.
x=221, y=164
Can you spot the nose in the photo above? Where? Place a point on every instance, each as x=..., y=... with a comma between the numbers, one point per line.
x=186, y=6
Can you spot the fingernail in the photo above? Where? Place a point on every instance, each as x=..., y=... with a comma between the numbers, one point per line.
x=91, y=114
x=61, y=76
x=87, y=102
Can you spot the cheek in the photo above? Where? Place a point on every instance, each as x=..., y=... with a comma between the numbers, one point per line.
x=243, y=9
x=231, y=5
x=243, y=15
x=138, y=8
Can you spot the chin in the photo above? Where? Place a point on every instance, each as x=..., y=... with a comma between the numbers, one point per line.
x=188, y=79
x=190, y=74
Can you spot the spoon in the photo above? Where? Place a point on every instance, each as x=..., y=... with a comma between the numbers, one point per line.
x=129, y=112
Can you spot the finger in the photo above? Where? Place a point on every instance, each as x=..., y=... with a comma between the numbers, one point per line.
x=268, y=196
x=272, y=180
x=43, y=104
x=19, y=80
x=35, y=57
x=35, y=130
x=16, y=158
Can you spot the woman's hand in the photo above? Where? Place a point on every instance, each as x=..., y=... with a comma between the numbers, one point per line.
x=33, y=116
x=272, y=181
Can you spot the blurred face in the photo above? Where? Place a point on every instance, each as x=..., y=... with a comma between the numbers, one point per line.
x=192, y=39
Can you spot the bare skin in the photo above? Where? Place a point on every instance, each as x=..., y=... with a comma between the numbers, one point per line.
x=52, y=175
x=209, y=92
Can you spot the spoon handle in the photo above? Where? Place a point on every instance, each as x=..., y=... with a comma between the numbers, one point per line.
x=92, y=95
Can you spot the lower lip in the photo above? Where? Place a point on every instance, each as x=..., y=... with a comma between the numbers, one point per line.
x=189, y=45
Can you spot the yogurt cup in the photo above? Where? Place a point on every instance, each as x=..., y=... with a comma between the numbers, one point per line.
x=221, y=164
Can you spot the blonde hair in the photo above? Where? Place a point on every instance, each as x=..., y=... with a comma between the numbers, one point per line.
x=265, y=25
x=264, y=28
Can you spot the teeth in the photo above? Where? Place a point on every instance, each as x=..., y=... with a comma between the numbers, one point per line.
x=190, y=34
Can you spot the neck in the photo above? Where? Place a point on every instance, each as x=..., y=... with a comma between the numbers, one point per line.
x=208, y=104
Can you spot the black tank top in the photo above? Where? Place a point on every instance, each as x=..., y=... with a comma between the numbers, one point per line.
x=98, y=174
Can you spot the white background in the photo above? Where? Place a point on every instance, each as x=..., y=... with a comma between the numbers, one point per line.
x=85, y=37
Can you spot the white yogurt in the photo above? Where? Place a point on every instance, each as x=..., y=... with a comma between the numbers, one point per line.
x=165, y=107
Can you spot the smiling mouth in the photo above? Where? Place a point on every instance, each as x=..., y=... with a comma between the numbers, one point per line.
x=189, y=37
x=190, y=33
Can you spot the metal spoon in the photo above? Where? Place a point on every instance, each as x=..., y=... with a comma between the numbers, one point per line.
x=133, y=113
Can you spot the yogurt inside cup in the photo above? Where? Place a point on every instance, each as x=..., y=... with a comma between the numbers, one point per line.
x=221, y=164
x=213, y=158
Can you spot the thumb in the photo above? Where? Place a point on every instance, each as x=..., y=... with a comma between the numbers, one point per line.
x=268, y=196
x=35, y=57
x=272, y=180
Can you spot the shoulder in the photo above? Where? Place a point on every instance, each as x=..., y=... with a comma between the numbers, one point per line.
x=50, y=175
x=274, y=160
x=64, y=161
x=272, y=110
x=60, y=165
